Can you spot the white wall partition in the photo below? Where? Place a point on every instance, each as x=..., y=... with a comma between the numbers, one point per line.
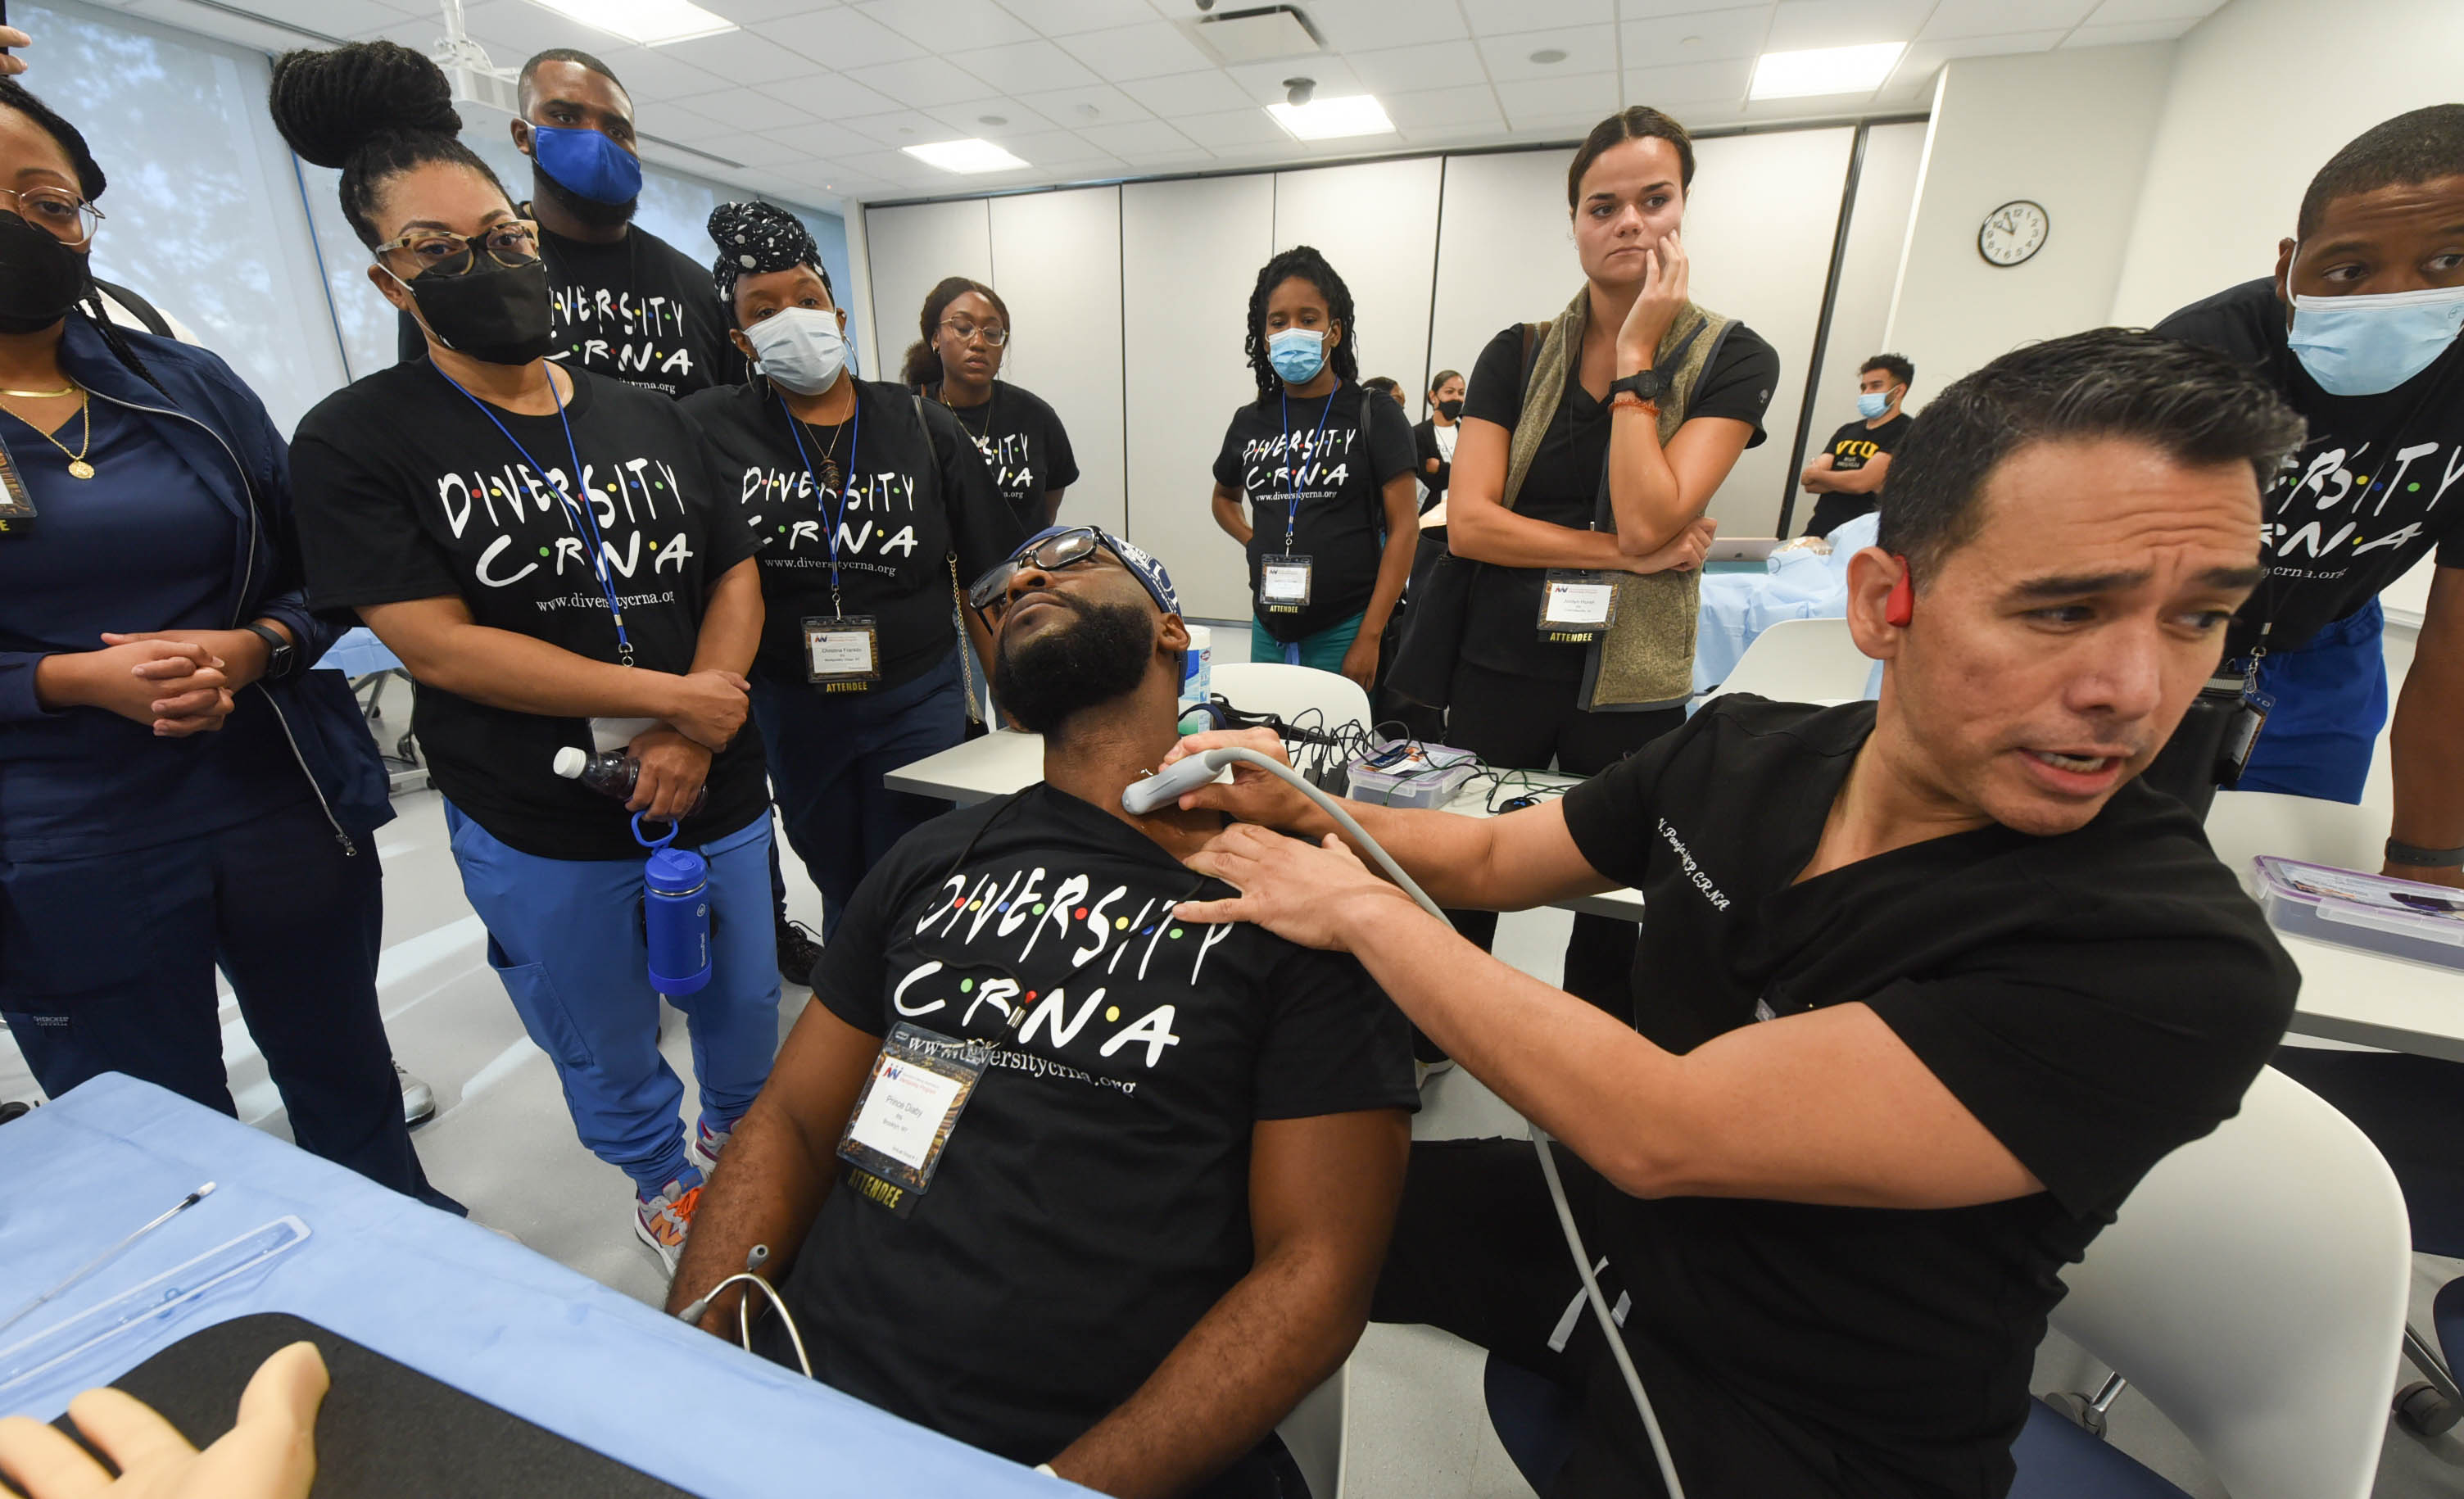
x=911, y=249
x=1377, y=223
x=1190, y=251
x=1056, y=262
x=1507, y=254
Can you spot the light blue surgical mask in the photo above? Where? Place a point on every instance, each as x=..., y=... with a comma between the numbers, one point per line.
x=2364, y=345
x=1297, y=354
x=799, y=349
x=1871, y=404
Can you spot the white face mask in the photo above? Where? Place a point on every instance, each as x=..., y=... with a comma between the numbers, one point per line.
x=799, y=349
x=2364, y=345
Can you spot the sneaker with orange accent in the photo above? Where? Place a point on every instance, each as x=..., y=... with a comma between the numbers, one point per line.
x=663, y=1221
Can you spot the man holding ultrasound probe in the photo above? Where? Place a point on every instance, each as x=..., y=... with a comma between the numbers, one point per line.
x=1926, y=987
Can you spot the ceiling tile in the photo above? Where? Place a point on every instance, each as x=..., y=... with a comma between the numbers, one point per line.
x=1499, y=17
x=1059, y=148
x=901, y=128
x=1206, y=93
x=1373, y=25
x=968, y=119
x=1076, y=108
x=1431, y=66
x=841, y=38
x=1136, y=138
x=1588, y=48
x=1445, y=109
x=749, y=109
x=922, y=80
x=337, y=17
x=651, y=74
x=2125, y=12
x=1067, y=17
x=1669, y=40
x=947, y=25
x=682, y=123
x=831, y=96
x=822, y=139
x=1031, y=67
x=2127, y=34
x=1957, y=18
x=1264, y=81
x=1235, y=127
x=1799, y=25
x=1696, y=9
x=739, y=57
x=754, y=150
x=1925, y=59
x=1137, y=52
x=753, y=13
x=1590, y=95
x=1689, y=82
x=512, y=30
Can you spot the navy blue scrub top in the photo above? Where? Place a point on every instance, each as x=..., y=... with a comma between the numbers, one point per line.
x=141, y=546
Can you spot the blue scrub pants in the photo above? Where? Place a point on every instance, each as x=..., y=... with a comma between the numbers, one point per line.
x=565, y=937
x=2331, y=700
x=827, y=755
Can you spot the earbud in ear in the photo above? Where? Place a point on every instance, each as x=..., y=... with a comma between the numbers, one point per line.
x=1901, y=606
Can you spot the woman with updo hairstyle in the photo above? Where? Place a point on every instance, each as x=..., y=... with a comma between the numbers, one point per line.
x=871, y=507
x=546, y=551
x=956, y=361
x=178, y=789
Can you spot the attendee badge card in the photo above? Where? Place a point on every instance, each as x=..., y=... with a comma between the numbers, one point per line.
x=16, y=506
x=843, y=650
x=1284, y=584
x=1576, y=607
x=920, y=1084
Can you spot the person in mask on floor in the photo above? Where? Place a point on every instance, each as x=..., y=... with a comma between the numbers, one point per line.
x=178, y=789
x=2357, y=328
x=868, y=504
x=546, y=551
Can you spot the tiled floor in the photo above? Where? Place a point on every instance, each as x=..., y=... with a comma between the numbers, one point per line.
x=502, y=1144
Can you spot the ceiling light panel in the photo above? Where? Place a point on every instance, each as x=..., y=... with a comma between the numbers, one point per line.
x=964, y=156
x=1825, y=69
x=647, y=23
x=1332, y=118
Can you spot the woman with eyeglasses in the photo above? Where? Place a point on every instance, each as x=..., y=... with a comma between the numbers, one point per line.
x=869, y=508
x=546, y=551
x=956, y=362
x=178, y=790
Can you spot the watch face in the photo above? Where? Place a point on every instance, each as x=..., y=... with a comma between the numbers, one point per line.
x=2012, y=232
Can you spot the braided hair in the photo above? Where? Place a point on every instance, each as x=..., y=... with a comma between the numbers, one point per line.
x=374, y=109
x=923, y=362
x=1306, y=264
x=91, y=181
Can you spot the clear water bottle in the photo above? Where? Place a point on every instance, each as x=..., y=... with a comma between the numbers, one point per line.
x=610, y=773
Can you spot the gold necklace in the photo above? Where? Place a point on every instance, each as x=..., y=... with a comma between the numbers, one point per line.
x=43, y=395
x=79, y=468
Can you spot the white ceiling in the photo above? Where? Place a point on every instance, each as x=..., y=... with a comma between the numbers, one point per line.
x=812, y=98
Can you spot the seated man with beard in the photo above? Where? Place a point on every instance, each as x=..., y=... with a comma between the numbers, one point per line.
x=1045, y=1169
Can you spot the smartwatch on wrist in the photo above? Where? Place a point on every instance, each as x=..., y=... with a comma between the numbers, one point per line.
x=1649, y=386
x=281, y=654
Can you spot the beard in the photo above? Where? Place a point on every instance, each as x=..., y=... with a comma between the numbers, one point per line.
x=590, y=211
x=1097, y=656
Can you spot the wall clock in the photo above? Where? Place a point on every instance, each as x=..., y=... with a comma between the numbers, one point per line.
x=2012, y=232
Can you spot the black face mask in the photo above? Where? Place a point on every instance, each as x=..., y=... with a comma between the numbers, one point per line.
x=1451, y=411
x=1099, y=656
x=40, y=279
x=493, y=313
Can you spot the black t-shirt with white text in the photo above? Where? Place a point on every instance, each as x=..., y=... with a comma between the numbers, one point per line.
x=2094, y=998
x=1092, y=1201
x=639, y=311
x=1339, y=480
x=407, y=489
x=1023, y=444
x=902, y=517
x=1850, y=448
x=1500, y=624
x=2369, y=495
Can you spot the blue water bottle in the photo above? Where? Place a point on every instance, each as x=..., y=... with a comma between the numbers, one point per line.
x=675, y=912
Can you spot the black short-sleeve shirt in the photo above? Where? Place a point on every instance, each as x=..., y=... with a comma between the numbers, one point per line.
x=2095, y=998
x=1851, y=448
x=2374, y=489
x=1501, y=628
x=406, y=489
x=907, y=510
x=1331, y=455
x=1092, y=1203
x=1023, y=444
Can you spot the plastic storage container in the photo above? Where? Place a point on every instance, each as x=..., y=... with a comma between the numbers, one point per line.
x=1426, y=776
x=2402, y=919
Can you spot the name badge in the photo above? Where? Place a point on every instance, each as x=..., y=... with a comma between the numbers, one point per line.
x=1576, y=607
x=845, y=649
x=920, y=1084
x=1284, y=584
x=16, y=506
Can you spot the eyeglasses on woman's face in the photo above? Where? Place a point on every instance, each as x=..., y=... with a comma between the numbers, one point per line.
x=509, y=243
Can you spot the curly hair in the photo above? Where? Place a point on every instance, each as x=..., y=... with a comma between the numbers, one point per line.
x=374, y=109
x=1306, y=264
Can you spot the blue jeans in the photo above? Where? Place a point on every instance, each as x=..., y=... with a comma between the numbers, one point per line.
x=827, y=755
x=2331, y=700
x=565, y=937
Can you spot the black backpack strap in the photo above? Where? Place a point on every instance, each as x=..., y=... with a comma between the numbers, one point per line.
x=145, y=312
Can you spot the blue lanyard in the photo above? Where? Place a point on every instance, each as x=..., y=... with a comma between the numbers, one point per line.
x=1291, y=497
x=855, y=445
x=598, y=543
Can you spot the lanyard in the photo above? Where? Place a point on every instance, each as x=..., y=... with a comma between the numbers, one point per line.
x=598, y=541
x=855, y=445
x=1291, y=497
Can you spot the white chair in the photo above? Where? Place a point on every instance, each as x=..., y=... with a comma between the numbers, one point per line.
x=2243, y=824
x=2254, y=1288
x=1801, y=661
x=1288, y=692
x=1313, y=1434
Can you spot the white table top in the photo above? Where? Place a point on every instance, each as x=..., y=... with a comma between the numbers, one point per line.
x=2347, y=994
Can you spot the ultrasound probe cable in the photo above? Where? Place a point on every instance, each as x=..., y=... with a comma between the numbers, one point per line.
x=1185, y=775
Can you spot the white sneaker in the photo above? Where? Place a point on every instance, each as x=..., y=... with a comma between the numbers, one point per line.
x=662, y=1222
x=703, y=1147
x=418, y=1099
